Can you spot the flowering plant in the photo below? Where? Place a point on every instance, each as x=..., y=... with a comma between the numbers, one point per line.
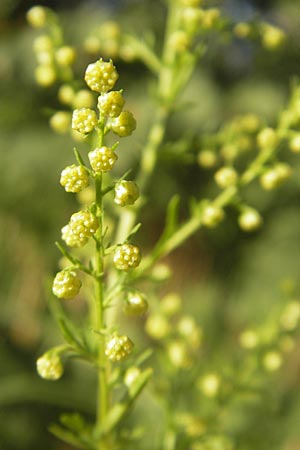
x=100, y=254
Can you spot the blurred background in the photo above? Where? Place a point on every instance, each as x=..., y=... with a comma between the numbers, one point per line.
x=227, y=280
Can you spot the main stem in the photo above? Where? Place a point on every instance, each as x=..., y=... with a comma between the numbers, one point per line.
x=102, y=401
x=103, y=394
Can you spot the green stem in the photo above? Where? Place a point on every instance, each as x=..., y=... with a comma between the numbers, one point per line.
x=143, y=52
x=157, y=131
x=103, y=390
x=102, y=402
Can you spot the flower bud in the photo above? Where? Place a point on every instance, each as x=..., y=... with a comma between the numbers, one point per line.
x=66, y=284
x=45, y=75
x=83, y=99
x=126, y=193
x=267, y=138
x=249, y=220
x=102, y=159
x=131, y=375
x=209, y=384
x=157, y=326
x=66, y=94
x=84, y=120
x=178, y=354
x=127, y=256
x=36, y=16
x=248, y=339
x=226, y=177
x=207, y=159
x=124, y=124
x=274, y=177
x=294, y=143
x=111, y=103
x=65, y=56
x=135, y=304
x=272, y=37
x=74, y=178
x=49, y=366
x=118, y=348
x=212, y=216
x=61, y=122
x=101, y=76
x=272, y=361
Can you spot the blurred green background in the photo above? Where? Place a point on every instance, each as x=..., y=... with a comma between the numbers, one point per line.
x=227, y=279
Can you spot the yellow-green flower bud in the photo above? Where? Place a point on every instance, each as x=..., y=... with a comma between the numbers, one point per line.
x=212, y=215
x=191, y=19
x=250, y=219
x=274, y=177
x=101, y=76
x=126, y=193
x=65, y=56
x=81, y=227
x=111, y=103
x=290, y=316
x=242, y=30
x=118, y=348
x=37, y=16
x=92, y=44
x=74, y=178
x=45, y=58
x=209, y=384
x=66, y=94
x=45, y=75
x=178, y=354
x=210, y=17
x=84, y=222
x=66, y=284
x=272, y=361
x=61, y=122
x=131, y=375
x=272, y=37
x=157, y=326
x=188, y=329
x=124, y=124
x=250, y=123
x=179, y=41
x=294, y=143
x=249, y=339
x=42, y=43
x=49, y=366
x=84, y=120
x=170, y=304
x=225, y=177
x=207, y=159
x=83, y=99
x=102, y=159
x=267, y=138
x=127, y=256
x=287, y=344
x=71, y=238
x=161, y=272
x=135, y=304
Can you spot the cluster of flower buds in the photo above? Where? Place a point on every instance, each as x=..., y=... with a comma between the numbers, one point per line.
x=273, y=338
x=53, y=57
x=270, y=36
x=179, y=334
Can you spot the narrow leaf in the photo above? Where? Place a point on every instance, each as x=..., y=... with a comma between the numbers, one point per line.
x=117, y=413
